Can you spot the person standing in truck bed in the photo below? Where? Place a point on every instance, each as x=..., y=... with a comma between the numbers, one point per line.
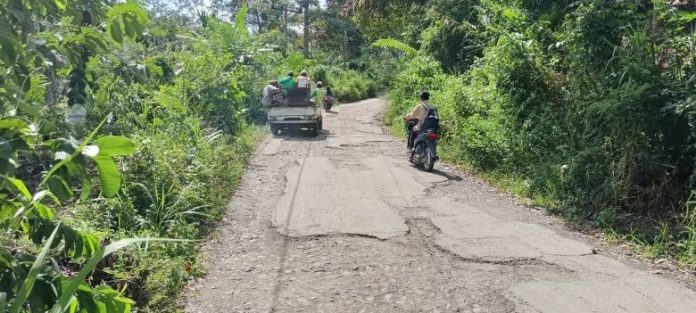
x=271, y=89
x=287, y=83
x=303, y=81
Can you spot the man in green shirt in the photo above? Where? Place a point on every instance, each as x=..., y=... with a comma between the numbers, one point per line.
x=287, y=83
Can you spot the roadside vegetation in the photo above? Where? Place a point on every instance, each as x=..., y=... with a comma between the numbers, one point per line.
x=132, y=120
x=126, y=125
x=585, y=107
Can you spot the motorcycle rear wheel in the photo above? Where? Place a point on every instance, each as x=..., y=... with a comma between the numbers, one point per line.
x=417, y=155
x=429, y=163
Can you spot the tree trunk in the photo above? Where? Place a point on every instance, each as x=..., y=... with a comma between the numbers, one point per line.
x=286, y=34
x=305, y=11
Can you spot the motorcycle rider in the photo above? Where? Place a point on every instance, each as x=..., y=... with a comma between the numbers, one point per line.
x=417, y=116
x=324, y=97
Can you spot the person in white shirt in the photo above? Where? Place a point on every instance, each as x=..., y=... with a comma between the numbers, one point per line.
x=268, y=92
x=303, y=81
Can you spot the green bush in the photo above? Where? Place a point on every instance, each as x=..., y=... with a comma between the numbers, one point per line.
x=582, y=117
x=350, y=85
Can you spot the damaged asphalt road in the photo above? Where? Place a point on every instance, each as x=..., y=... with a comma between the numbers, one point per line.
x=343, y=223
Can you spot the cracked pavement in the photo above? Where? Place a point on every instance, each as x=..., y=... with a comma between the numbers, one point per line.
x=343, y=223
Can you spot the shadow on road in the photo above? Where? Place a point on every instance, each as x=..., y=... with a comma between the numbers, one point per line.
x=449, y=176
x=304, y=135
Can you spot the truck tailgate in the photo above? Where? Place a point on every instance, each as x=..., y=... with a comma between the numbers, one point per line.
x=283, y=113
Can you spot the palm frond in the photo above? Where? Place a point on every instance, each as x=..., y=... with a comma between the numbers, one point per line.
x=389, y=43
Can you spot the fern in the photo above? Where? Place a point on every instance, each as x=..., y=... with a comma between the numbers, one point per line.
x=393, y=44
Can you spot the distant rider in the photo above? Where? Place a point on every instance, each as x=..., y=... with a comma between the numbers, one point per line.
x=417, y=117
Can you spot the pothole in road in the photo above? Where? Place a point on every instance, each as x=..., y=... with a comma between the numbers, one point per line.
x=422, y=228
x=505, y=262
x=424, y=232
x=324, y=236
x=481, y=300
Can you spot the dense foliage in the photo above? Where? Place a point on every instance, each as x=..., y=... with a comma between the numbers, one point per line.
x=125, y=122
x=584, y=106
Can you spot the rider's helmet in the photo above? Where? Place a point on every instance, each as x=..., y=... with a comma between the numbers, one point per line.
x=320, y=84
x=425, y=95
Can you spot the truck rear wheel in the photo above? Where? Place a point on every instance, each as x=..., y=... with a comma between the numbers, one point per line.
x=275, y=130
x=315, y=130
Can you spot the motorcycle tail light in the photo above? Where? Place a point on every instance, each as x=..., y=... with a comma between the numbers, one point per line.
x=432, y=135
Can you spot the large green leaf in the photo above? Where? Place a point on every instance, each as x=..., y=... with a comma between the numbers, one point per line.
x=115, y=31
x=74, y=155
x=127, y=19
x=19, y=185
x=93, y=37
x=79, y=243
x=73, y=306
x=129, y=23
x=14, y=123
x=114, y=300
x=60, y=188
x=109, y=176
x=129, y=8
x=115, y=145
x=44, y=211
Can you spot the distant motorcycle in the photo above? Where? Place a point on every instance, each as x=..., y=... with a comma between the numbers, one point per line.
x=424, y=152
x=328, y=103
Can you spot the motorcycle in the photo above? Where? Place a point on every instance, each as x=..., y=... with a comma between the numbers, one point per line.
x=424, y=152
x=328, y=103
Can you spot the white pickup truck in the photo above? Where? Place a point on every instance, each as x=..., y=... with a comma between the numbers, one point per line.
x=295, y=112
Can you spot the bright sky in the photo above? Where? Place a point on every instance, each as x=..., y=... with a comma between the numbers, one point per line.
x=202, y=5
x=205, y=3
